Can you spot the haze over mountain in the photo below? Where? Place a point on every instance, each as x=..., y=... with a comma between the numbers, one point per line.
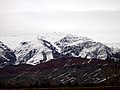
x=96, y=19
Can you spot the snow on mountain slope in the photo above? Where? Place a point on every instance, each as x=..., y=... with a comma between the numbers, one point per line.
x=52, y=38
x=71, y=39
x=37, y=48
x=33, y=52
x=13, y=41
x=7, y=56
x=44, y=47
x=83, y=47
x=96, y=50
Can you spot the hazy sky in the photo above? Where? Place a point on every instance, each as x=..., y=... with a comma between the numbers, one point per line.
x=97, y=19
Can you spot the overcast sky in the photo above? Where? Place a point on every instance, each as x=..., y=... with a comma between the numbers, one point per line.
x=97, y=19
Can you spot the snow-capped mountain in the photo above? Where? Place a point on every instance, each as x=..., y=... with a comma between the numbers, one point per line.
x=35, y=51
x=40, y=49
x=43, y=47
x=7, y=56
x=84, y=47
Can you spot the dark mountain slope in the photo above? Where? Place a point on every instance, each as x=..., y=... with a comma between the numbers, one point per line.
x=60, y=72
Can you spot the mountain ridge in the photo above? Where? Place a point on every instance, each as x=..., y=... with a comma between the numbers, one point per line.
x=43, y=47
x=61, y=72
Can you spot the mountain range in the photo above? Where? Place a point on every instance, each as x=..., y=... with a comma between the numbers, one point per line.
x=57, y=60
x=35, y=49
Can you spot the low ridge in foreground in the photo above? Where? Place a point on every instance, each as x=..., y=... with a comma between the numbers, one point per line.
x=62, y=72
